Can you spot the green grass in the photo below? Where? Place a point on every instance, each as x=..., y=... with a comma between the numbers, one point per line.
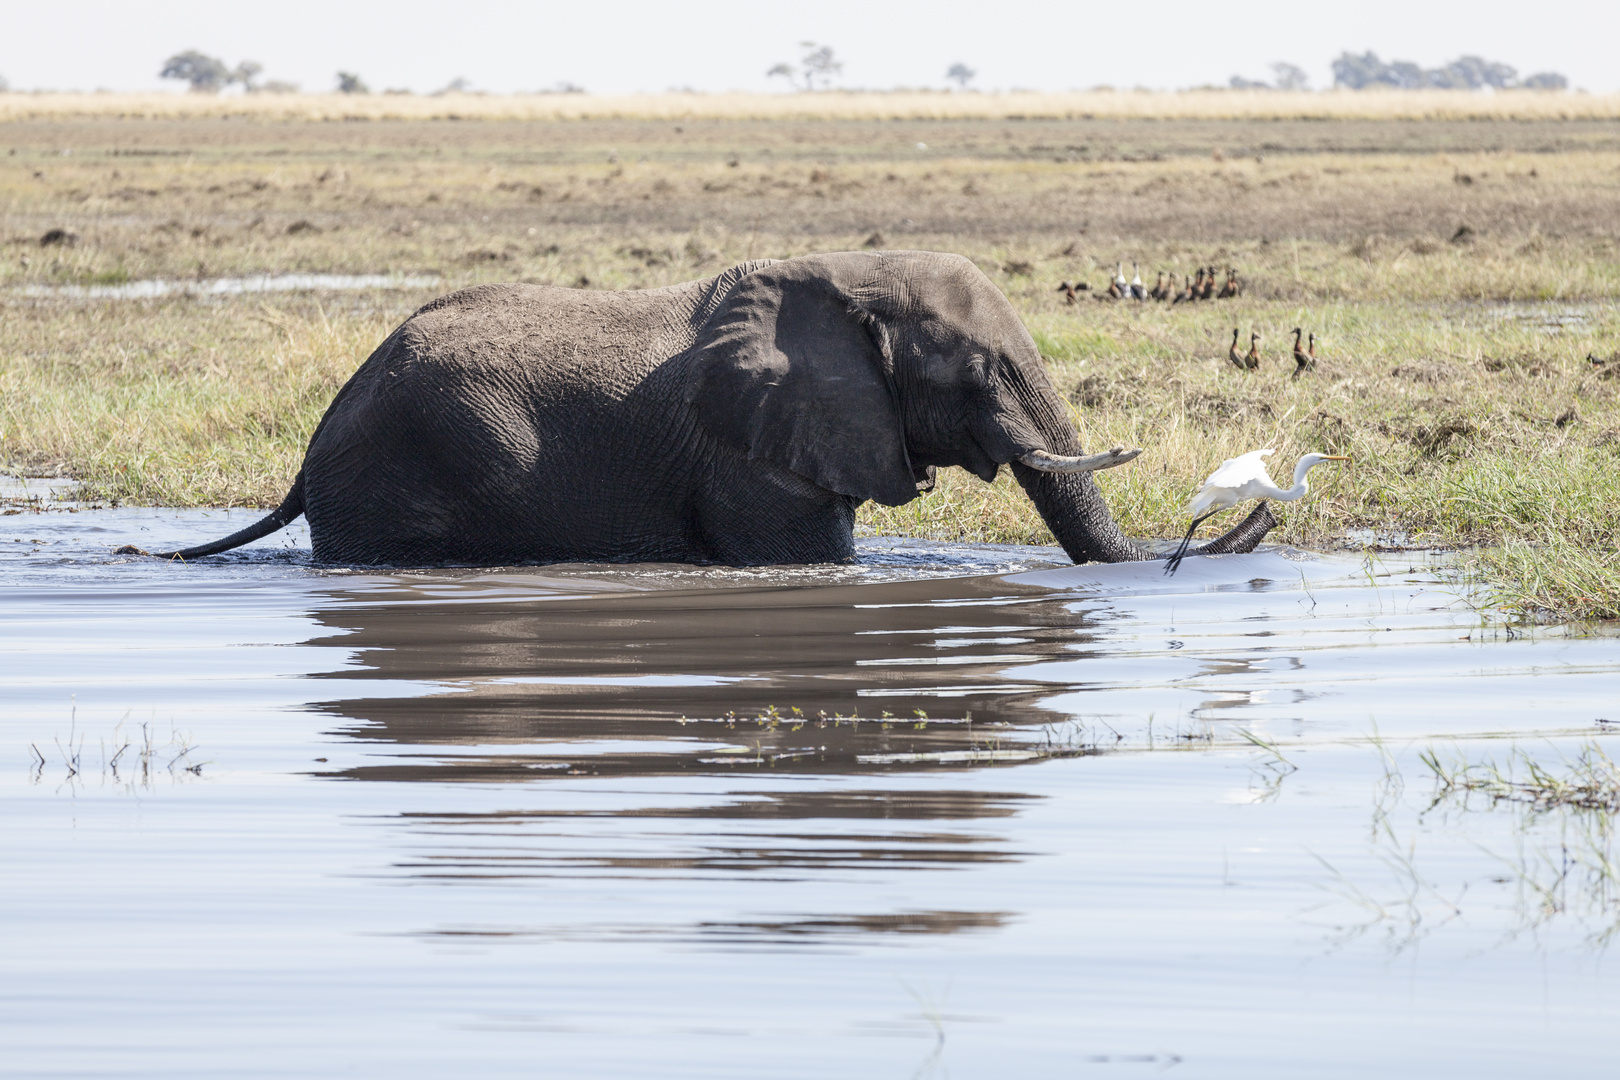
x=174, y=403
x=1591, y=781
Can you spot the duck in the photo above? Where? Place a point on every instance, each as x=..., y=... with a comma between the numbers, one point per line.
x=1068, y=292
x=1209, y=285
x=1252, y=360
x=1194, y=287
x=1230, y=289
x=1232, y=353
x=1302, y=359
x=1160, y=290
x=1119, y=289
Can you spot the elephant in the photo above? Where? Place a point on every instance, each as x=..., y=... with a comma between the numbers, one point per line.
x=737, y=420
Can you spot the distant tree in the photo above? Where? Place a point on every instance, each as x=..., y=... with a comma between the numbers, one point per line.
x=277, y=86
x=4, y=86
x=1406, y=75
x=246, y=72
x=1472, y=73
x=1541, y=80
x=817, y=67
x=1289, y=76
x=457, y=85
x=1367, y=71
x=820, y=65
x=206, y=74
x=350, y=83
x=1357, y=72
x=1500, y=76
x=961, y=75
x=1238, y=82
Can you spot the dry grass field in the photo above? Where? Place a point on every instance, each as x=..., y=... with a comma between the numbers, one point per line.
x=1206, y=104
x=1460, y=275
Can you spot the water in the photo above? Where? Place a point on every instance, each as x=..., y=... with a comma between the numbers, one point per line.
x=1551, y=317
x=152, y=288
x=565, y=819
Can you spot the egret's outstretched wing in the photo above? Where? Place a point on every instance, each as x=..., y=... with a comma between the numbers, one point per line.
x=1225, y=484
x=1235, y=472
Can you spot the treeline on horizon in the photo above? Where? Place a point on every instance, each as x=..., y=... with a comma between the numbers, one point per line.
x=206, y=74
x=1368, y=72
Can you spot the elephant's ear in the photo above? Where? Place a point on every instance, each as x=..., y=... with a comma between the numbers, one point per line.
x=789, y=372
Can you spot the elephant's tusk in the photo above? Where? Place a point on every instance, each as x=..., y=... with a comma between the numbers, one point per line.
x=1045, y=462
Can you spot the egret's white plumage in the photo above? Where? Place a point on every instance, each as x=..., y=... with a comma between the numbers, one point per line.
x=1239, y=479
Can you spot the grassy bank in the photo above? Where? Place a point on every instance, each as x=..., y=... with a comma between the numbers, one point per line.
x=1456, y=298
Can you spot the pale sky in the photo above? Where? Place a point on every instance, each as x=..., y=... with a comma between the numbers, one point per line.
x=623, y=46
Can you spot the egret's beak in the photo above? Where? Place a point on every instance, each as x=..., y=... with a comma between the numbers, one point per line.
x=1334, y=457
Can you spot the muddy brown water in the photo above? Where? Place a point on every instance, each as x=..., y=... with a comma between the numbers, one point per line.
x=951, y=810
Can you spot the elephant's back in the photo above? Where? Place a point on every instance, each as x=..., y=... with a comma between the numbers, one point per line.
x=476, y=428
x=542, y=335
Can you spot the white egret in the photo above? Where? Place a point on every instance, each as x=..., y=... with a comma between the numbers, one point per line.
x=1237, y=480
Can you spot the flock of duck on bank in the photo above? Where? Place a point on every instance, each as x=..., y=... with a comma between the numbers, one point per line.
x=1203, y=286
x=1200, y=287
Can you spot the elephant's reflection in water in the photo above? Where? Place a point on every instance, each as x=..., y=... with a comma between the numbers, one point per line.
x=557, y=694
x=777, y=838
x=843, y=678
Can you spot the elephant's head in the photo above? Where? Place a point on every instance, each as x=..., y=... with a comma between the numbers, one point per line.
x=863, y=372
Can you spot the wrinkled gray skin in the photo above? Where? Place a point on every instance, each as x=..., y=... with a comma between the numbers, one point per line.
x=736, y=420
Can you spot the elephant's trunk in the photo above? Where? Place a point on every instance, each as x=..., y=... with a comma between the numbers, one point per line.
x=1074, y=510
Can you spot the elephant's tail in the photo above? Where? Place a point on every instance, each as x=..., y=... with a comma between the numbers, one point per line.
x=290, y=507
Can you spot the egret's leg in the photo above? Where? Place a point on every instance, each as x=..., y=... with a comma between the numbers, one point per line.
x=1174, y=562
